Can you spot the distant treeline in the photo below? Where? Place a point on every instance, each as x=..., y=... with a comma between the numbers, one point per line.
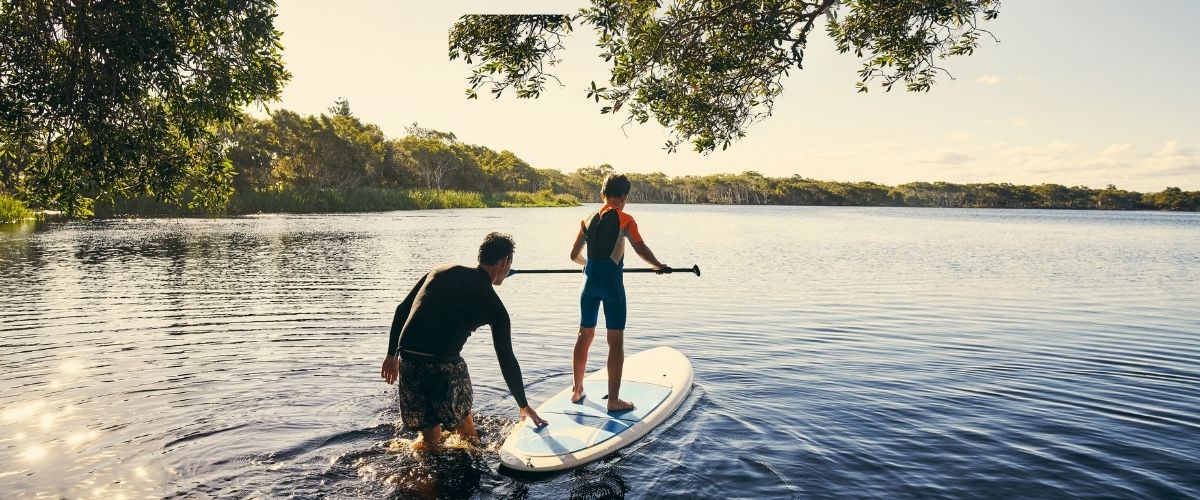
x=751, y=188
x=337, y=150
x=336, y=162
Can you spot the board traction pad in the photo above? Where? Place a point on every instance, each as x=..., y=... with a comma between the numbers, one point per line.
x=574, y=427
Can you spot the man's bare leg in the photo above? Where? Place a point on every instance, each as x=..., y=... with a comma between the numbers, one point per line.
x=579, y=361
x=616, y=362
x=466, y=430
x=431, y=437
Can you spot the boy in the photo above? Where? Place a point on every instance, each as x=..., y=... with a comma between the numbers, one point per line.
x=604, y=233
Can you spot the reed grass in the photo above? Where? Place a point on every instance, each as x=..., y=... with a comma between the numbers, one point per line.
x=12, y=210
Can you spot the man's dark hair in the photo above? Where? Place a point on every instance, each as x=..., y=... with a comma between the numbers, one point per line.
x=496, y=247
x=615, y=185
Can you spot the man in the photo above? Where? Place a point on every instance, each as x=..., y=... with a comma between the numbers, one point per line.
x=428, y=333
x=604, y=233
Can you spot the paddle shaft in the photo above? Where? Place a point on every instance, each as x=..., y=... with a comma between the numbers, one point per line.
x=670, y=270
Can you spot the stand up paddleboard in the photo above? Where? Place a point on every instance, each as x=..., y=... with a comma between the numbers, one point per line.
x=655, y=381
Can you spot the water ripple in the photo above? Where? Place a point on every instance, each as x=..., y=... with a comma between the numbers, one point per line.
x=839, y=352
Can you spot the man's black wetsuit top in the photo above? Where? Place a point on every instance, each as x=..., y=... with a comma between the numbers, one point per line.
x=443, y=309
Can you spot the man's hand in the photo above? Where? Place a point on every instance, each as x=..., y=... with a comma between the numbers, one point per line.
x=391, y=369
x=538, y=421
x=662, y=269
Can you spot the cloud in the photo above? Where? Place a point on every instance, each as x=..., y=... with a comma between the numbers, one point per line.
x=959, y=135
x=1019, y=122
x=1172, y=159
x=988, y=79
x=996, y=80
x=1115, y=150
x=1174, y=164
x=946, y=157
x=1142, y=167
x=1172, y=148
x=887, y=145
x=1053, y=149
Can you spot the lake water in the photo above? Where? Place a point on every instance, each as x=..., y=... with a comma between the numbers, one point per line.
x=838, y=352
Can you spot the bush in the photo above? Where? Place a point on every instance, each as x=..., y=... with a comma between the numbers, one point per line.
x=12, y=210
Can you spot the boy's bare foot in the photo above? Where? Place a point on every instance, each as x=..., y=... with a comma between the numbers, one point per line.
x=577, y=396
x=619, y=405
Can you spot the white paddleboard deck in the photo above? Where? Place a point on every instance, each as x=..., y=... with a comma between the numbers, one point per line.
x=656, y=381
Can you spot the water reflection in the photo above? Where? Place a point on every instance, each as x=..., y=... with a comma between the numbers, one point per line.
x=34, y=453
x=23, y=412
x=50, y=435
x=83, y=437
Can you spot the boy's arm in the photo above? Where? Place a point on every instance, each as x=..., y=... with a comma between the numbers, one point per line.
x=639, y=246
x=577, y=248
x=644, y=252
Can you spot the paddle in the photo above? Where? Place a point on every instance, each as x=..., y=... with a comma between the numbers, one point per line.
x=695, y=269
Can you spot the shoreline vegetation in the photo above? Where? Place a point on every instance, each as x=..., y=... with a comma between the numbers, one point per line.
x=13, y=210
x=721, y=189
x=336, y=200
x=335, y=162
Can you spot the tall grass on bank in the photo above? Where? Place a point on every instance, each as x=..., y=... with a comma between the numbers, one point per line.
x=538, y=199
x=12, y=210
x=380, y=200
x=342, y=200
x=312, y=200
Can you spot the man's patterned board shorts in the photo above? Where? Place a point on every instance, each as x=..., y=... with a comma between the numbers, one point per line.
x=434, y=392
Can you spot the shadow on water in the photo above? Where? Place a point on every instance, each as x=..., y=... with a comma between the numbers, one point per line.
x=589, y=482
x=396, y=469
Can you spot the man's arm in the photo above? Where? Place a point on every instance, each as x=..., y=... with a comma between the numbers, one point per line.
x=403, y=311
x=502, y=341
x=391, y=364
x=577, y=248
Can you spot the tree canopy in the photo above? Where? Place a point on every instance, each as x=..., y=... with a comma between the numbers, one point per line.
x=101, y=98
x=338, y=150
x=707, y=69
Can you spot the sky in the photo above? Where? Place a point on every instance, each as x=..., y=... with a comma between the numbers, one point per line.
x=1076, y=92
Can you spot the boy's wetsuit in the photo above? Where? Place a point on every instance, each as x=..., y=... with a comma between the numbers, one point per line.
x=605, y=232
x=443, y=309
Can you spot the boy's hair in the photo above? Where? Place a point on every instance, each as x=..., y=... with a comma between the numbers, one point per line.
x=615, y=185
x=496, y=247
